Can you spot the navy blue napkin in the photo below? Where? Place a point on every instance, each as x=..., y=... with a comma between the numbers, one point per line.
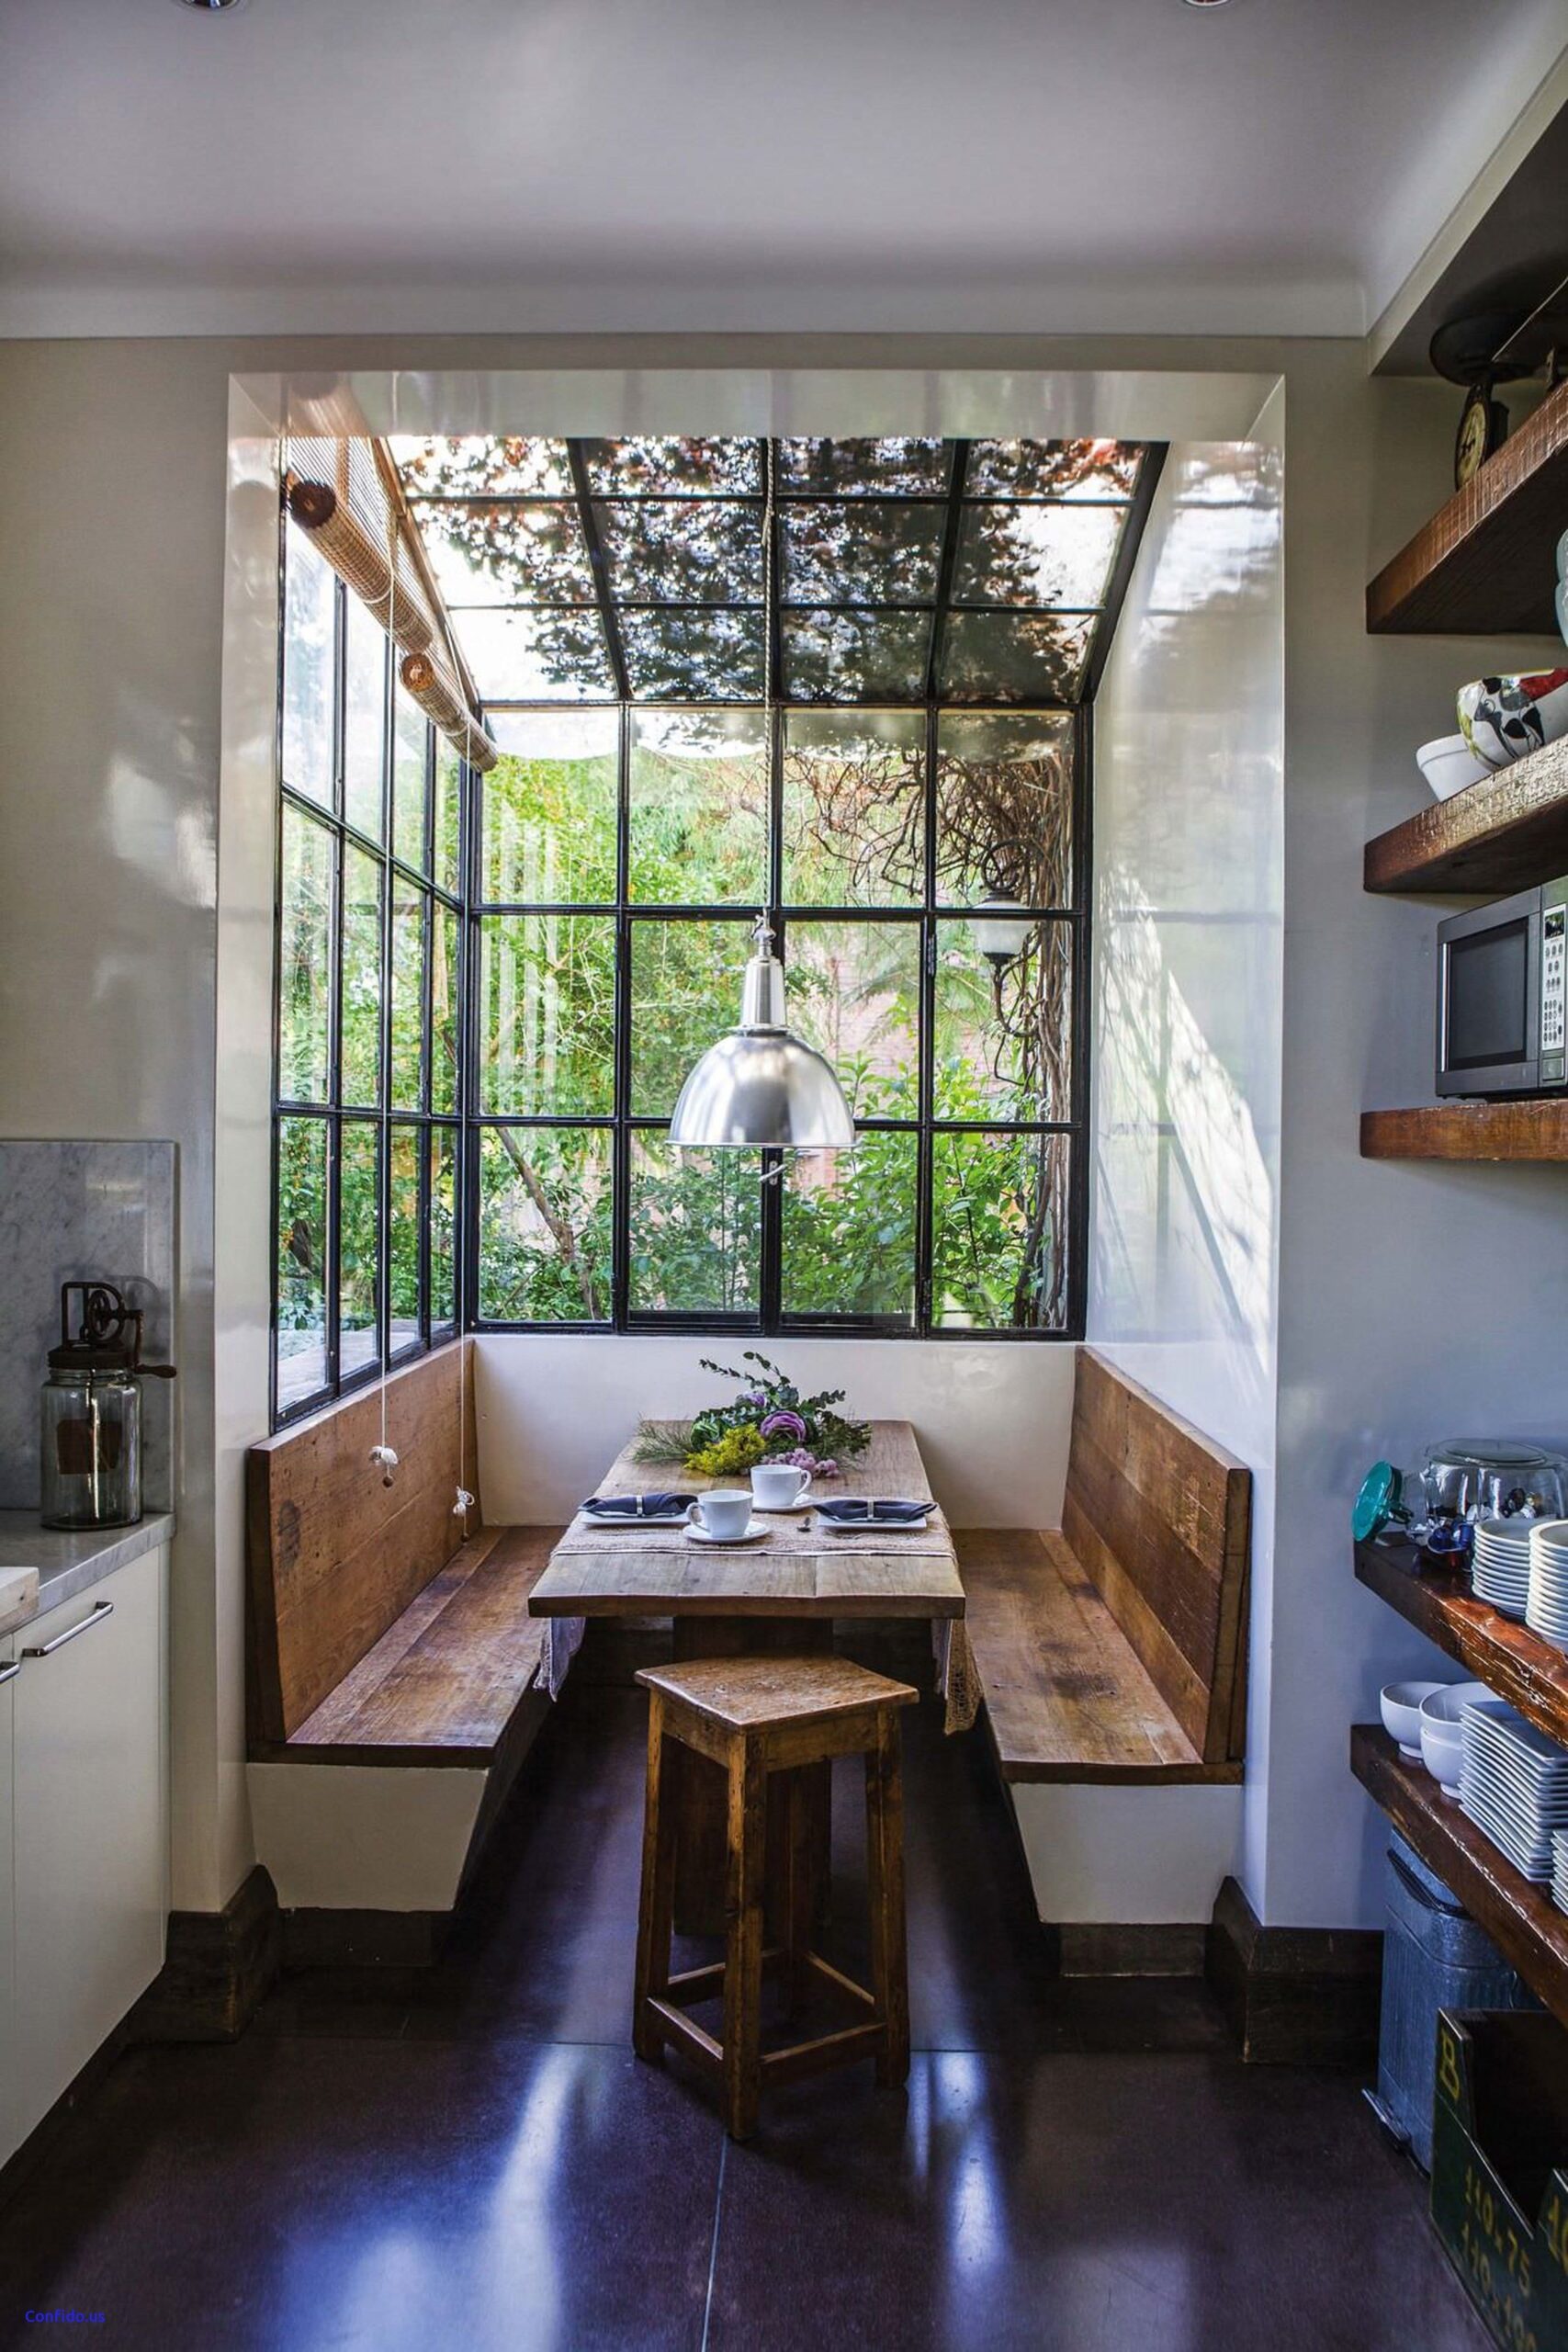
x=852, y=1509
x=636, y=1507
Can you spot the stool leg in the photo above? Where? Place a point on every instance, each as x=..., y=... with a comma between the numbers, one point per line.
x=743, y=1938
x=885, y=1873
x=657, y=1901
x=802, y=1880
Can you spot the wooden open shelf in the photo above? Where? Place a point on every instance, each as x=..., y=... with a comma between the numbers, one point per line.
x=1521, y=1918
x=1484, y=565
x=1469, y=1130
x=1511, y=1660
x=1502, y=834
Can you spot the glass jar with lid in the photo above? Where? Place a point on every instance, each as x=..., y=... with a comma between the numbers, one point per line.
x=1476, y=1478
x=91, y=1412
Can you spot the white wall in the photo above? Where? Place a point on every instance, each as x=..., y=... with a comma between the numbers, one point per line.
x=992, y=1421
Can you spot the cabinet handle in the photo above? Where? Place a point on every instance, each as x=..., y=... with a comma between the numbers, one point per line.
x=101, y=1609
x=9, y=1673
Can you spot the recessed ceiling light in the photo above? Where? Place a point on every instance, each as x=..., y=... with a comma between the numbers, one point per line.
x=211, y=7
x=1191, y=3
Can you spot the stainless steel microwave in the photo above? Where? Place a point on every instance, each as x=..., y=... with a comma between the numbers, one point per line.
x=1501, y=995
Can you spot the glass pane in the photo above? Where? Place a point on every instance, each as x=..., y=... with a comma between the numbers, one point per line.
x=854, y=993
x=685, y=993
x=305, y=961
x=696, y=1229
x=1052, y=469
x=360, y=1048
x=1004, y=1029
x=1014, y=657
x=364, y=721
x=410, y=780
x=547, y=1015
x=506, y=555
x=849, y=1231
x=682, y=552
x=854, y=815
x=865, y=554
x=1036, y=555
x=443, y=1228
x=545, y=1241
x=999, y=1232
x=681, y=656
x=309, y=689
x=360, y=1243
x=448, y=816
x=549, y=656
x=549, y=807
x=402, y=1237
x=855, y=657
x=480, y=465
x=408, y=996
x=699, y=808
x=445, y=1036
x=301, y=1260
x=849, y=469
x=699, y=468
x=1004, y=808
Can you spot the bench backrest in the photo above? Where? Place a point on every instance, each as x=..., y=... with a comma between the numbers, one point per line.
x=1160, y=1518
x=333, y=1555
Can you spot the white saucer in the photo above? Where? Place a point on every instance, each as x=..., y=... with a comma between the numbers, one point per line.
x=727, y=1543
x=778, y=1511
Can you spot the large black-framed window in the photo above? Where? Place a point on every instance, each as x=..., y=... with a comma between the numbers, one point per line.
x=619, y=856
x=367, y=1130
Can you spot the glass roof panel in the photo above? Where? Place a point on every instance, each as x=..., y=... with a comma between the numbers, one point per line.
x=503, y=554
x=1036, y=555
x=1075, y=470
x=482, y=466
x=653, y=465
x=1014, y=657
x=855, y=656
x=894, y=469
x=888, y=552
x=681, y=551
x=537, y=656
x=676, y=655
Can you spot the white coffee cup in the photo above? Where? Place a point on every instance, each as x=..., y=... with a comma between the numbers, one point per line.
x=779, y=1485
x=725, y=1513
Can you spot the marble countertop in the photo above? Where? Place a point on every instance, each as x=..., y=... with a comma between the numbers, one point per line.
x=71, y=1561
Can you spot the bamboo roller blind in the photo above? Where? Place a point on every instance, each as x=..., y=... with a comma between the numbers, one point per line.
x=342, y=495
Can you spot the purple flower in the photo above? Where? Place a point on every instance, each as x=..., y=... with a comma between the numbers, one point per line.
x=784, y=1424
x=752, y=1396
x=803, y=1459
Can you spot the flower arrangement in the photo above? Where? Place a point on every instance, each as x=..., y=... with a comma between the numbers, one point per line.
x=769, y=1421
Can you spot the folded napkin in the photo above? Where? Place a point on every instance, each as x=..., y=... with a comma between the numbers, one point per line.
x=637, y=1506
x=851, y=1510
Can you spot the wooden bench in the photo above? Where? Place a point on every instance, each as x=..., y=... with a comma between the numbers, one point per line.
x=388, y=1635
x=1116, y=1650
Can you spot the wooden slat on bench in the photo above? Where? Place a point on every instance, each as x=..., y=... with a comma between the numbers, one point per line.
x=1067, y=1697
x=443, y=1683
x=1160, y=1516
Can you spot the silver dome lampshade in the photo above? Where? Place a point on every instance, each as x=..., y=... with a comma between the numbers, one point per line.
x=761, y=1088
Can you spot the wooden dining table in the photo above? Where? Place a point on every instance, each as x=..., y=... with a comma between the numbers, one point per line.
x=782, y=1594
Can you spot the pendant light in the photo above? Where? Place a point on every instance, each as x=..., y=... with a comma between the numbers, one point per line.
x=760, y=1087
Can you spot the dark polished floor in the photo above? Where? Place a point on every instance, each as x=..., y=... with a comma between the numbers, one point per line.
x=471, y=2158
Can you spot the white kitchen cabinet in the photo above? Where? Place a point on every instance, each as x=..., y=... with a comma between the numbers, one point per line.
x=10, y=2134
x=89, y=1825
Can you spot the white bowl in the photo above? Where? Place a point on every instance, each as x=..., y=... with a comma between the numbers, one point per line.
x=1401, y=1705
x=1445, y=1706
x=1448, y=764
x=1443, y=1759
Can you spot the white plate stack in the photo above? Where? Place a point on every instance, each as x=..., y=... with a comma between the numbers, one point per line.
x=1514, y=1785
x=1546, y=1609
x=1500, y=1572
x=1560, y=1869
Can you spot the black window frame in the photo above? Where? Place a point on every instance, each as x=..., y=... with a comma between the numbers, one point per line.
x=389, y=1118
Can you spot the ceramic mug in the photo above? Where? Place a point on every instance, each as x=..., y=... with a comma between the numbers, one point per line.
x=779, y=1485
x=726, y=1513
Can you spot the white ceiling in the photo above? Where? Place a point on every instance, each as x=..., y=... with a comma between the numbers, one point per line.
x=1011, y=166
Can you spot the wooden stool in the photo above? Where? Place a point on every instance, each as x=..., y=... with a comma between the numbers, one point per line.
x=754, y=1716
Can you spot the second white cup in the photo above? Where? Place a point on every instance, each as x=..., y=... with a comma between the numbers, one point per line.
x=725, y=1512
x=779, y=1485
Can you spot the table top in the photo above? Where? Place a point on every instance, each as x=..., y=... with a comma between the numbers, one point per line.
x=799, y=1569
